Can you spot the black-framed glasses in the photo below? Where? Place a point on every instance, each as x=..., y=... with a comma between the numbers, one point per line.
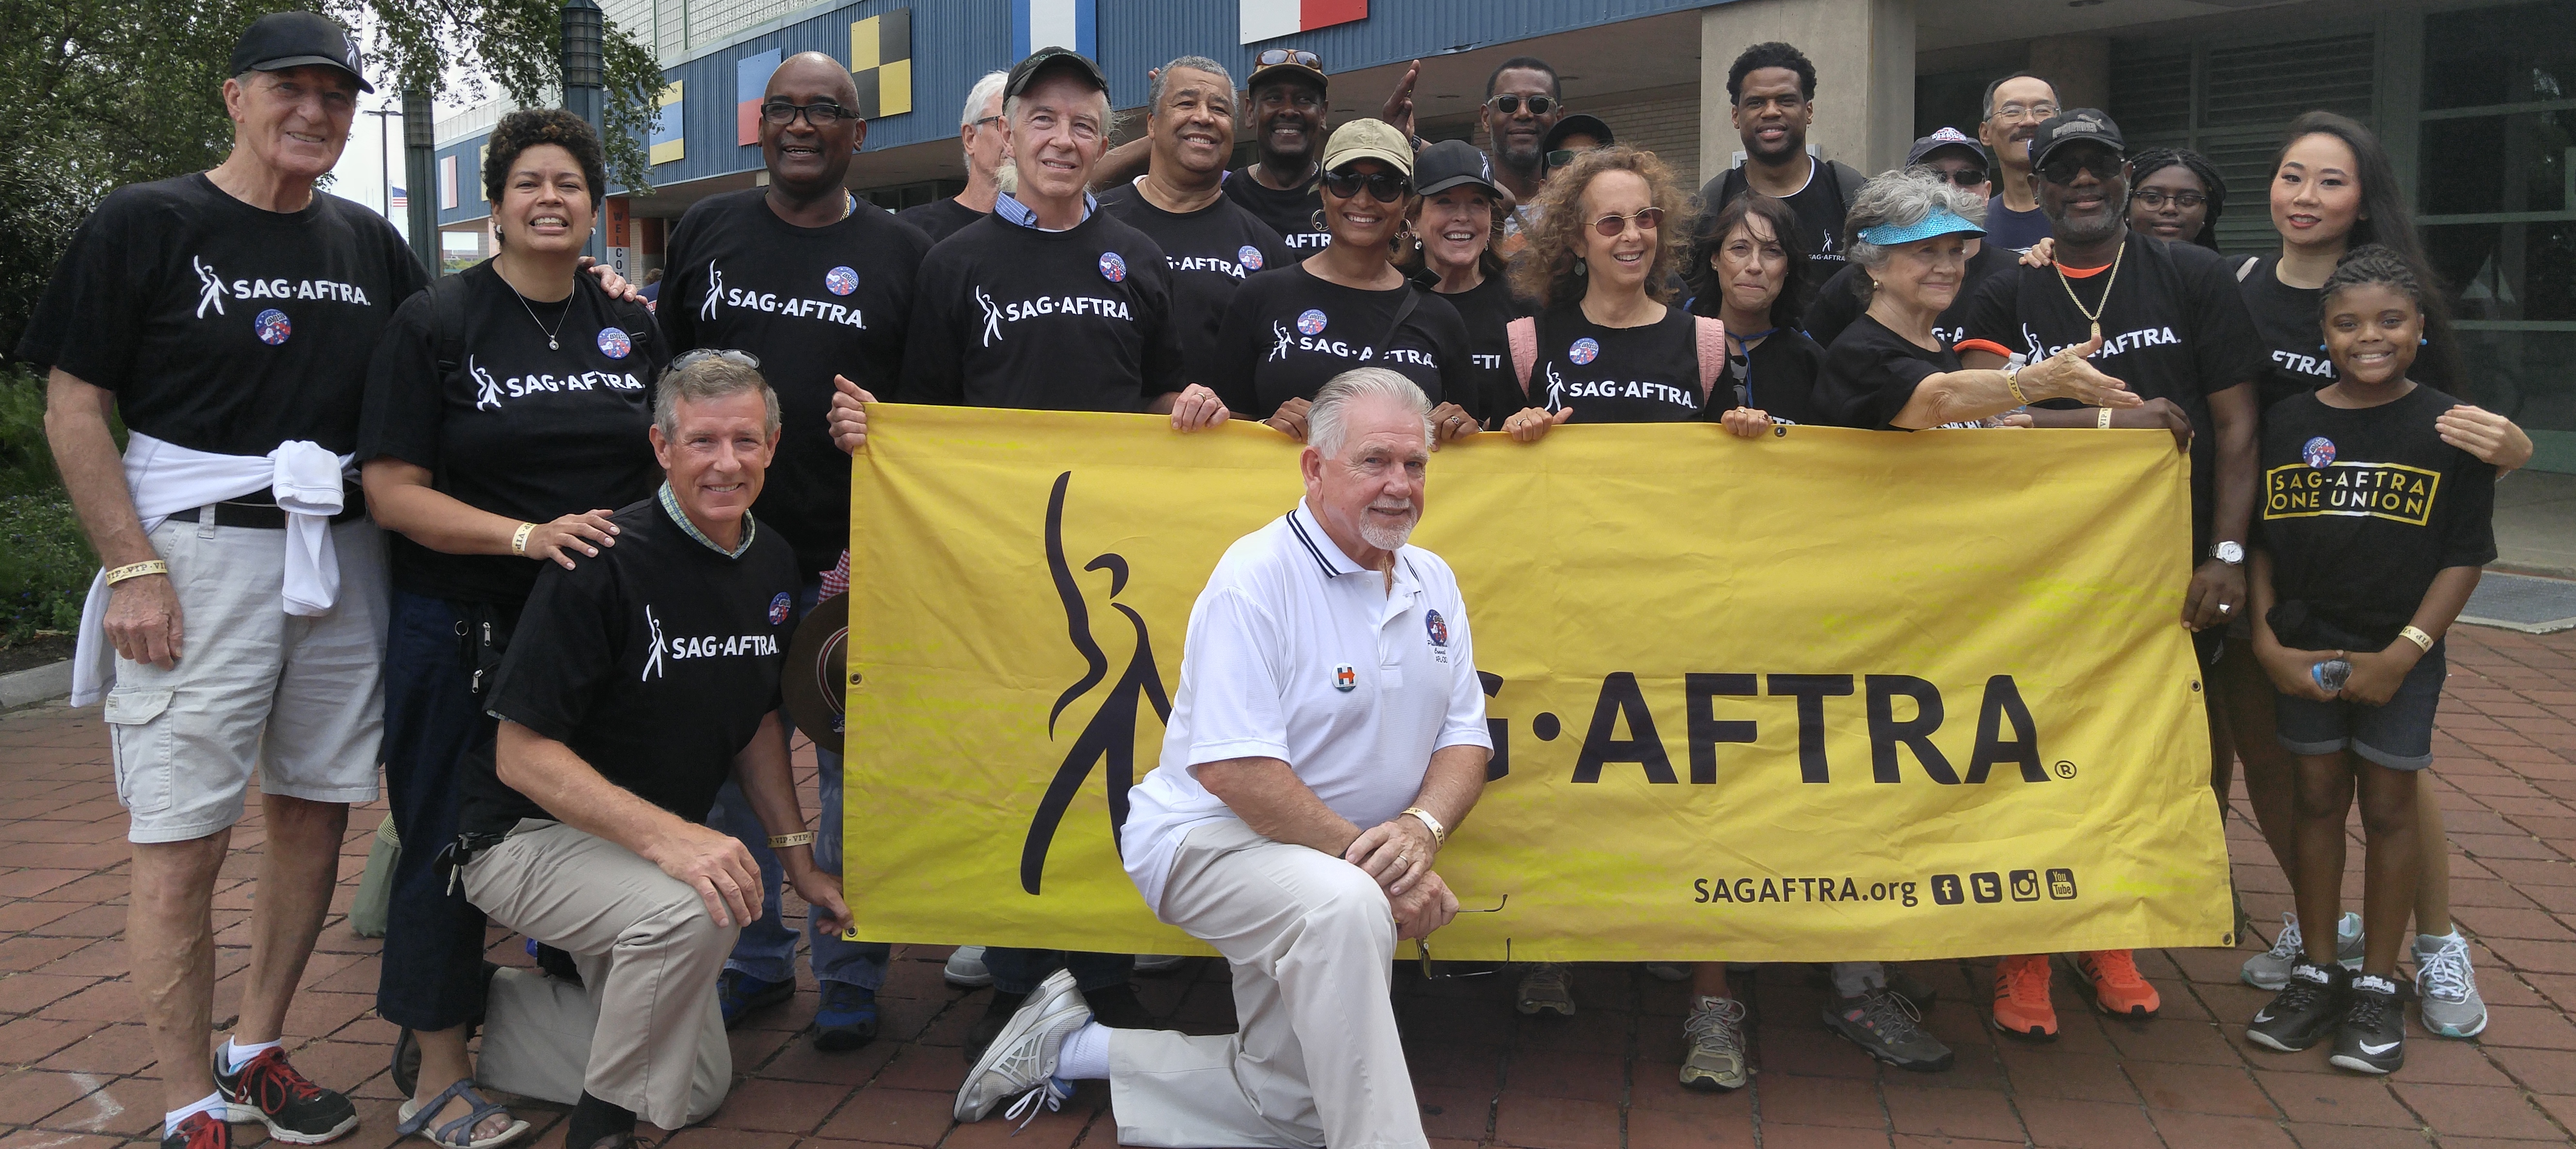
x=1510, y=105
x=2061, y=168
x=1614, y=226
x=1964, y=177
x=822, y=115
x=1563, y=156
x=1422, y=946
x=2019, y=111
x=1274, y=56
x=2156, y=200
x=977, y=125
x=1384, y=187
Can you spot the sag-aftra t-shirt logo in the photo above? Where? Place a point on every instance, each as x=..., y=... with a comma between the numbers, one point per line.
x=270, y=324
x=2320, y=485
x=699, y=646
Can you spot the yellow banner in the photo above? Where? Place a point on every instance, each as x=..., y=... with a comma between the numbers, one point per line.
x=1829, y=694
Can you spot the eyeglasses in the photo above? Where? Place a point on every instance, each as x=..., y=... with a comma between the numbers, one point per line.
x=688, y=359
x=1614, y=226
x=1288, y=56
x=1563, y=156
x=2156, y=200
x=2016, y=111
x=1964, y=177
x=1510, y=105
x=2061, y=169
x=823, y=115
x=979, y=124
x=1381, y=186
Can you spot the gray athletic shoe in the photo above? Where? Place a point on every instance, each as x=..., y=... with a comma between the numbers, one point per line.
x=1716, y=1033
x=1668, y=971
x=2271, y=968
x=965, y=968
x=1547, y=987
x=1021, y=1062
x=1888, y=1027
x=2448, y=988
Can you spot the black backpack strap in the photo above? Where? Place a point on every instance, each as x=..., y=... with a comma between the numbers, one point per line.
x=447, y=320
x=1403, y=311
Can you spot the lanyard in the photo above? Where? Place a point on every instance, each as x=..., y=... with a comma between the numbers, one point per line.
x=1743, y=365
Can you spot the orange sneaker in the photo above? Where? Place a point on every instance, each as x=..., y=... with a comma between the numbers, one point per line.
x=2022, y=1008
x=2117, y=988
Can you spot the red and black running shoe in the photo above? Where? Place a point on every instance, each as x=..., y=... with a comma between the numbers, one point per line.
x=200, y=1131
x=271, y=1092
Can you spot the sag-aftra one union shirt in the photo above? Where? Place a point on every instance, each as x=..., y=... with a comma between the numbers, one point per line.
x=220, y=326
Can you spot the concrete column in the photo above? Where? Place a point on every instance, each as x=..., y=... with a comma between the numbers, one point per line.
x=1864, y=55
x=2078, y=66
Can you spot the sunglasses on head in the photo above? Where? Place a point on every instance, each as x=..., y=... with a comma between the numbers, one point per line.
x=1275, y=56
x=1384, y=187
x=1510, y=105
x=1614, y=226
x=2061, y=168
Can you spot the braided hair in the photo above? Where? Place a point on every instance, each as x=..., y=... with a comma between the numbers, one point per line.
x=2373, y=263
x=2154, y=160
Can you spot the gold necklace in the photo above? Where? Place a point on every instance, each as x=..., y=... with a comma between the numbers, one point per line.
x=2095, y=315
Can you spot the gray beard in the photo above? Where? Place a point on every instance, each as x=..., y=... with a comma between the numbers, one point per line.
x=1387, y=538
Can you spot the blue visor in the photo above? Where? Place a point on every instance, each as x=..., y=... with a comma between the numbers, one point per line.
x=1942, y=221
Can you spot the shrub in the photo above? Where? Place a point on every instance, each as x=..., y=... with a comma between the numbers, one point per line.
x=45, y=561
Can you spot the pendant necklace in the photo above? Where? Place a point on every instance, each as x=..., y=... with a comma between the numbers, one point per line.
x=551, y=344
x=2094, y=315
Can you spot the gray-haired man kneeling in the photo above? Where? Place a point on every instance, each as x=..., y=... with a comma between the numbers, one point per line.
x=1327, y=736
x=634, y=684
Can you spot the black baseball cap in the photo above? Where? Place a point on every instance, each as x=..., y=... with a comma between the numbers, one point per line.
x=1453, y=163
x=2078, y=125
x=282, y=40
x=1578, y=124
x=1941, y=139
x=1026, y=71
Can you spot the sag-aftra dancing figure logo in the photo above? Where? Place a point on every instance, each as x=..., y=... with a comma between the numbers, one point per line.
x=1111, y=733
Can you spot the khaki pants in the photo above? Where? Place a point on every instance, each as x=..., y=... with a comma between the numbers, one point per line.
x=1316, y=1060
x=649, y=956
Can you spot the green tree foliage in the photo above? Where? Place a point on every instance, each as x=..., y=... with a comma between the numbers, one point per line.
x=98, y=93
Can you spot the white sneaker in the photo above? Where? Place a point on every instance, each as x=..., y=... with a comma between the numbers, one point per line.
x=1023, y=1058
x=2447, y=988
x=2270, y=970
x=1668, y=970
x=965, y=968
x=1158, y=963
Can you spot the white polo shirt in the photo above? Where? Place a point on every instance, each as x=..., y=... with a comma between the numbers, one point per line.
x=1295, y=652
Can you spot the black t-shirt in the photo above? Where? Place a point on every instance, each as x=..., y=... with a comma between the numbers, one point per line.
x=1646, y=374
x=2360, y=510
x=1821, y=207
x=2175, y=328
x=1289, y=332
x=1072, y=320
x=1778, y=378
x=2287, y=318
x=809, y=303
x=654, y=662
x=512, y=427
x=1870, y=374
x=940, y=218
x=1211, y=252
x=1291, y=213
x=222, y=327
x=1488, y=310
x=1837, y=304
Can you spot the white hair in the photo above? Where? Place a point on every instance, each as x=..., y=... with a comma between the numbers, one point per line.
x=1163, y=76
x=979, y=95
x=1325, y=418
x=1011, y=112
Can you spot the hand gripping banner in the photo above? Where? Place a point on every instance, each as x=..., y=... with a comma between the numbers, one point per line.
x=1823, y=695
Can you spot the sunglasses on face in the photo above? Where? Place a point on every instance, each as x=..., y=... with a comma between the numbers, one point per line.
x=823, y=115
x=1563, y=156
x=2156, y=200
x=1511, y=105
x=2061, y=169
x=1381, y=186
x=1614, y=226
x=1964, y=177
x=1289, y=56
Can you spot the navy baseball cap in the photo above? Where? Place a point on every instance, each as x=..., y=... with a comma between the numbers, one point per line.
x=282, y=40
x=1944, y=138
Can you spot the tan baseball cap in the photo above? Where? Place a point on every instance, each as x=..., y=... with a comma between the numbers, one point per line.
x=1368, y=139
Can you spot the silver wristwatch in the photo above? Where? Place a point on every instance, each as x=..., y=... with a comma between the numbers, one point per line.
x=2230, y=552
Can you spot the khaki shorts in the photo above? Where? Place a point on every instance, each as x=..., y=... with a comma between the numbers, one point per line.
x=299, y=699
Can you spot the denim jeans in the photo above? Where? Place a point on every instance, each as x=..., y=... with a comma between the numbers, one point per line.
x=1019, y=971
x=767, y=949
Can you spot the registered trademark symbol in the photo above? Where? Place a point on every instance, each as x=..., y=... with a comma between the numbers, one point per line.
x=2065, y=769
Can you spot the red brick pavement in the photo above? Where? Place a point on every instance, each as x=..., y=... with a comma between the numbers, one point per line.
x=75, y=1072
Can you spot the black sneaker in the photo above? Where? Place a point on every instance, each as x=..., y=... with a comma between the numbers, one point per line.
x=2372, y=1038
x=200, y=1131
x=997, y=1014
x=2302, y=1014
x=1887, y=1026
x=271, y=1092
x=1117, y=1007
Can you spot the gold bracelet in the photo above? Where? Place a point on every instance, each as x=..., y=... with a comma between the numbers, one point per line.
x=1439, y=833
x=799, y=838
x=519, y=541
x=2422, y=641
x=2012, y=383
x=137, y=570
x=2103, y=420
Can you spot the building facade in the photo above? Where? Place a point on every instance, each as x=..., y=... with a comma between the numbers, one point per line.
x=2472, y=97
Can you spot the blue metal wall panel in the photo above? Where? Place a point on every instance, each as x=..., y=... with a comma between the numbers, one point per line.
x=955, y=41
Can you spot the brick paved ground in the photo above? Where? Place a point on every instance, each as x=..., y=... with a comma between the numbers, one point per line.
x=78, y=1074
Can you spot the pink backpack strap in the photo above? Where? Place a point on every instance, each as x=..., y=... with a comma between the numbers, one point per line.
x=1712, y=353
x=1523, y=333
